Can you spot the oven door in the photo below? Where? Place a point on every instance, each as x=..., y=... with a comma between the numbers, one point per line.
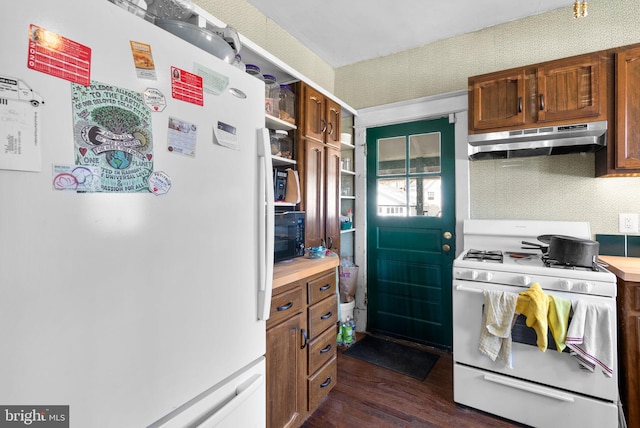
x=550, y=368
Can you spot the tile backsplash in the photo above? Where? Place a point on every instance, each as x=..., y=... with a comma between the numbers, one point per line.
x=619, y=245
x=612, y=245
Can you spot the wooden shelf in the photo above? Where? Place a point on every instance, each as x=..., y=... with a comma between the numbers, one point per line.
x=278, y=161
x=278, y=124
x=347, y=145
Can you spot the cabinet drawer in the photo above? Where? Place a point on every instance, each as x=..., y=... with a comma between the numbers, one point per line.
x=285, y=305
x=322, y=382
x=323, y=315
x=322, y=349
x=322, y=287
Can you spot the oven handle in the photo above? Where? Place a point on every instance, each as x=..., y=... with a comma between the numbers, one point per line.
x=469, y=290
x=529, y=388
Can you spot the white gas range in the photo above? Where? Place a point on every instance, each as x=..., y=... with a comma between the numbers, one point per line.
x=543, y=389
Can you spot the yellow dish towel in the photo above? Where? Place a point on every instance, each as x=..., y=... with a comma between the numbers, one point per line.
x=559, y=309
x=534, y=305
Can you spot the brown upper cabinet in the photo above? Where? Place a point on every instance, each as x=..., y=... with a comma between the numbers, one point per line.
x=497, y=100
x=627, y=144
x=321, y=117
x=318, y=143
x=622, y=155
x=554, y=92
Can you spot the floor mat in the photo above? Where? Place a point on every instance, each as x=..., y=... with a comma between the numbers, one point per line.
x=393, y=356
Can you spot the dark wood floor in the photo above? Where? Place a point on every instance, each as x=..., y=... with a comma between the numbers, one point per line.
x=373, y=397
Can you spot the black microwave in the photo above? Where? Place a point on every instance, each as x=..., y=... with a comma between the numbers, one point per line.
x=289, y=235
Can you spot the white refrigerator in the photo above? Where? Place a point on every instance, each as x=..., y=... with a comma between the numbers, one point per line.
x=134, y=233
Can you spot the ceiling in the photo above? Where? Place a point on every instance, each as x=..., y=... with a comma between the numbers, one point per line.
x=345, y=32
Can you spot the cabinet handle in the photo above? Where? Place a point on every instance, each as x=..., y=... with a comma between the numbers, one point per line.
x=330, y=243
x=519, y=104
x=325, y=287
x=285, y=307
x=326, y=316
x=541, y=102
x=325, y=350
x=330, y=128
x=304, y=336
x=326, y=383
x=324, y=125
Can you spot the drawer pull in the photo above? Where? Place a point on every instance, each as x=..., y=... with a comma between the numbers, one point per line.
x=325, y=287
x=285, y=307
x=540, y=390
x=326, y=316
x=326, y=383
x=325, y=350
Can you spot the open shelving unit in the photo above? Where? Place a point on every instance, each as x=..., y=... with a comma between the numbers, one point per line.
x=347, y=198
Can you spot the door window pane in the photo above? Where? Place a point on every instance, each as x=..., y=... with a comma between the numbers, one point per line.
x=392, y=156
x=424, y=153
x=392, y=197
x=425, y=197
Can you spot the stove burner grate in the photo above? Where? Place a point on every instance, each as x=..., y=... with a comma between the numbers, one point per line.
x=557, y=265
x=484, y=256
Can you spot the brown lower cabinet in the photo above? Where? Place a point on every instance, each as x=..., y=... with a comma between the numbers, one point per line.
x=629, y=349
x=301, y=348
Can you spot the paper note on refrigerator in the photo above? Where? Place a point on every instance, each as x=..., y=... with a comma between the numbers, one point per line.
x=19, y=126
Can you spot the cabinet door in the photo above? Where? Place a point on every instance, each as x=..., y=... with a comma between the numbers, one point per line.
x=332, y=115
x=315, y=123
x=497, y=100
x=570, y=89
x=286, y=374
x=314, y=171
x=332, y=199
x=627, y=150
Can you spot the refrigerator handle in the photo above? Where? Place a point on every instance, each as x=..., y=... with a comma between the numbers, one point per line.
x=266, y=224
x=243, y=392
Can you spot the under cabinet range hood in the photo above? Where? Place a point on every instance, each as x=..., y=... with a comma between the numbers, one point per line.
x=549, y=140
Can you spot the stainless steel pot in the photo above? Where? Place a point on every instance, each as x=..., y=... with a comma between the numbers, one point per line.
x=567, y=250
x=570, y=251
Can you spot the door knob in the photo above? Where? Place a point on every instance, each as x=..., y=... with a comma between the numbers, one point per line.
x=446, y=247
x=447, y=235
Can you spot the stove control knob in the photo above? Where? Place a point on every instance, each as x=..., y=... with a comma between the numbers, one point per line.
x=585, y=287
x=565, y=284
x=474, y=274
x=486, y=276
x=524, y=280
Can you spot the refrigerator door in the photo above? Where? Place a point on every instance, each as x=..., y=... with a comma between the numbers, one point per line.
x=237, y=402
x=125, y=306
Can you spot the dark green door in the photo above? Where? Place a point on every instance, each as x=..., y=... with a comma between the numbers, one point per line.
x=411, y=230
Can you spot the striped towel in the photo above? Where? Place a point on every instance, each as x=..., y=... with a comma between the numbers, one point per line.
x=497, y=320
x=589, y=336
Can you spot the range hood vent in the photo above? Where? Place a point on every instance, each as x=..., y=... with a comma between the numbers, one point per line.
x=549, y=140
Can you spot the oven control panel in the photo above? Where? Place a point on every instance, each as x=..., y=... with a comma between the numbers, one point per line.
x=525, y=280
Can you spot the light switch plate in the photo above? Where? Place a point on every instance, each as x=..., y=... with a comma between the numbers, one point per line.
x=628, y=223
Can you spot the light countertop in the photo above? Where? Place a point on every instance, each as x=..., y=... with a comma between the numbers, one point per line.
x=626, y=268
x=301, y=267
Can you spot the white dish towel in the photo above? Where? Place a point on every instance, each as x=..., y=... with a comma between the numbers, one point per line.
x=589, y=336
x=497, y=321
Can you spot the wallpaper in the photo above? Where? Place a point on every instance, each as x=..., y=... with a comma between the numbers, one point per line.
x=543, y=188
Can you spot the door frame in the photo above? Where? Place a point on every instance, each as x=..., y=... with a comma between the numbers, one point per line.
x=452, y=104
